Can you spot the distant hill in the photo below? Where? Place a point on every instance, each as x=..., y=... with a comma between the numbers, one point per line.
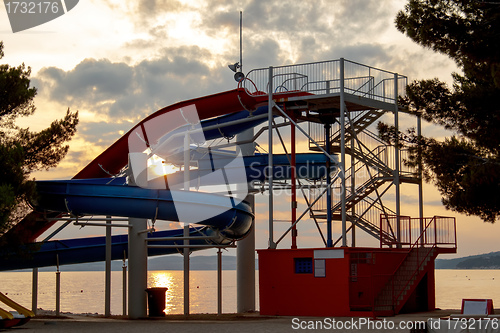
x=203, y=263
x=481, y=261
x=169, y=262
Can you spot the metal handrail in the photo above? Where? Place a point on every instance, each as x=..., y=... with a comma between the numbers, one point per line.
x=424, y=234
x=282, y=85
x=418, y=242
x=415, y=272
x=329, y=71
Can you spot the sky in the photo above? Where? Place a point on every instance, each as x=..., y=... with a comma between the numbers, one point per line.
x=119, y=61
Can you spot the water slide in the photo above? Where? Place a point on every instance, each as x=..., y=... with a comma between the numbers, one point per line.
x=222, y=105
x=13, y=318
x=113, y=196
x=94, y=192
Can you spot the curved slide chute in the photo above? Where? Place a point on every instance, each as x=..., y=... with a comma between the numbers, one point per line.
x=114, y=158
x=92, y=249
x=91, y=197
x=105, y=196
x=93, y=192
x=214, y=109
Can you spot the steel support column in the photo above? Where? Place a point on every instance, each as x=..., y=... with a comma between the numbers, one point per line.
x=186, y=269
x=353, y=189
x=219, y=281
x=107, y=283
x=58, y=288
x=329, y=237
x=270, y=104
x=245, y=250
x=294, y=184
x=138, y=268
x=124, y=285
x=34, y=290
x=420, y=180
x=342, y=154
x=397, y=163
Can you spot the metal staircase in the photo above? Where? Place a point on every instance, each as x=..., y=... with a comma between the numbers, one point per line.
x=375, y=161
x=403, y=282
x=435, y=235
x=364, y=220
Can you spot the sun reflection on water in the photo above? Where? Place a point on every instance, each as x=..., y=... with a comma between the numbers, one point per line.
x=166, y=280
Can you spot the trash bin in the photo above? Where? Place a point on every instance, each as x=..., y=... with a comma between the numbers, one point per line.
x=156, y=301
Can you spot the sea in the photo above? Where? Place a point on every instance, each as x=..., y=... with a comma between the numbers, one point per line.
x=83, y=292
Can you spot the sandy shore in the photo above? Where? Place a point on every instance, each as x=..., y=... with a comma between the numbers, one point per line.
x=205, y=323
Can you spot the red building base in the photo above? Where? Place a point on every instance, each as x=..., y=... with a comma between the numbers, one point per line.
x=356, y=282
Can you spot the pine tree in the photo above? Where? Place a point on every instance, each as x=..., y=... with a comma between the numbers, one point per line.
x=23, y=151
x=465, y=166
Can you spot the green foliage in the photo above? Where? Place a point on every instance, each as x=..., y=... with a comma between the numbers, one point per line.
x=24, y=151
x=466, y=166
x=483, y=262
x=16, y=95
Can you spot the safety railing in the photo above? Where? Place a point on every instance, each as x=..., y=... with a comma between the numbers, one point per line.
x=437, y=230
x=368, y=211
x=386, y=154
x=423, y=236
x=361, y=180
x=325, y=77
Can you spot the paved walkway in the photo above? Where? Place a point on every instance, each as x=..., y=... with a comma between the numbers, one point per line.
x=225, y=323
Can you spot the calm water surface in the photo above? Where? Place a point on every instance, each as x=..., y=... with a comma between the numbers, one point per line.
x=83, y=292
x=452, y=285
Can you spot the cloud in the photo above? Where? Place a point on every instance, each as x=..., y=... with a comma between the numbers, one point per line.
x=158, y=68
x=127, y=92
x=101, y=133
x=291, y=16
x=95, y=79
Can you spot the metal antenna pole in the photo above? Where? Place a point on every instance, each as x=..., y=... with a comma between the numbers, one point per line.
x=241, y=41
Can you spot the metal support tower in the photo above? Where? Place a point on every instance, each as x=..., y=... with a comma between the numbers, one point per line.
x=355, y=96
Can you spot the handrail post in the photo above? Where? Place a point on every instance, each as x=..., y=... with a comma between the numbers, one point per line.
x=435, y=231
x=381, y=232
x=409, y=231
x=455, y=230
